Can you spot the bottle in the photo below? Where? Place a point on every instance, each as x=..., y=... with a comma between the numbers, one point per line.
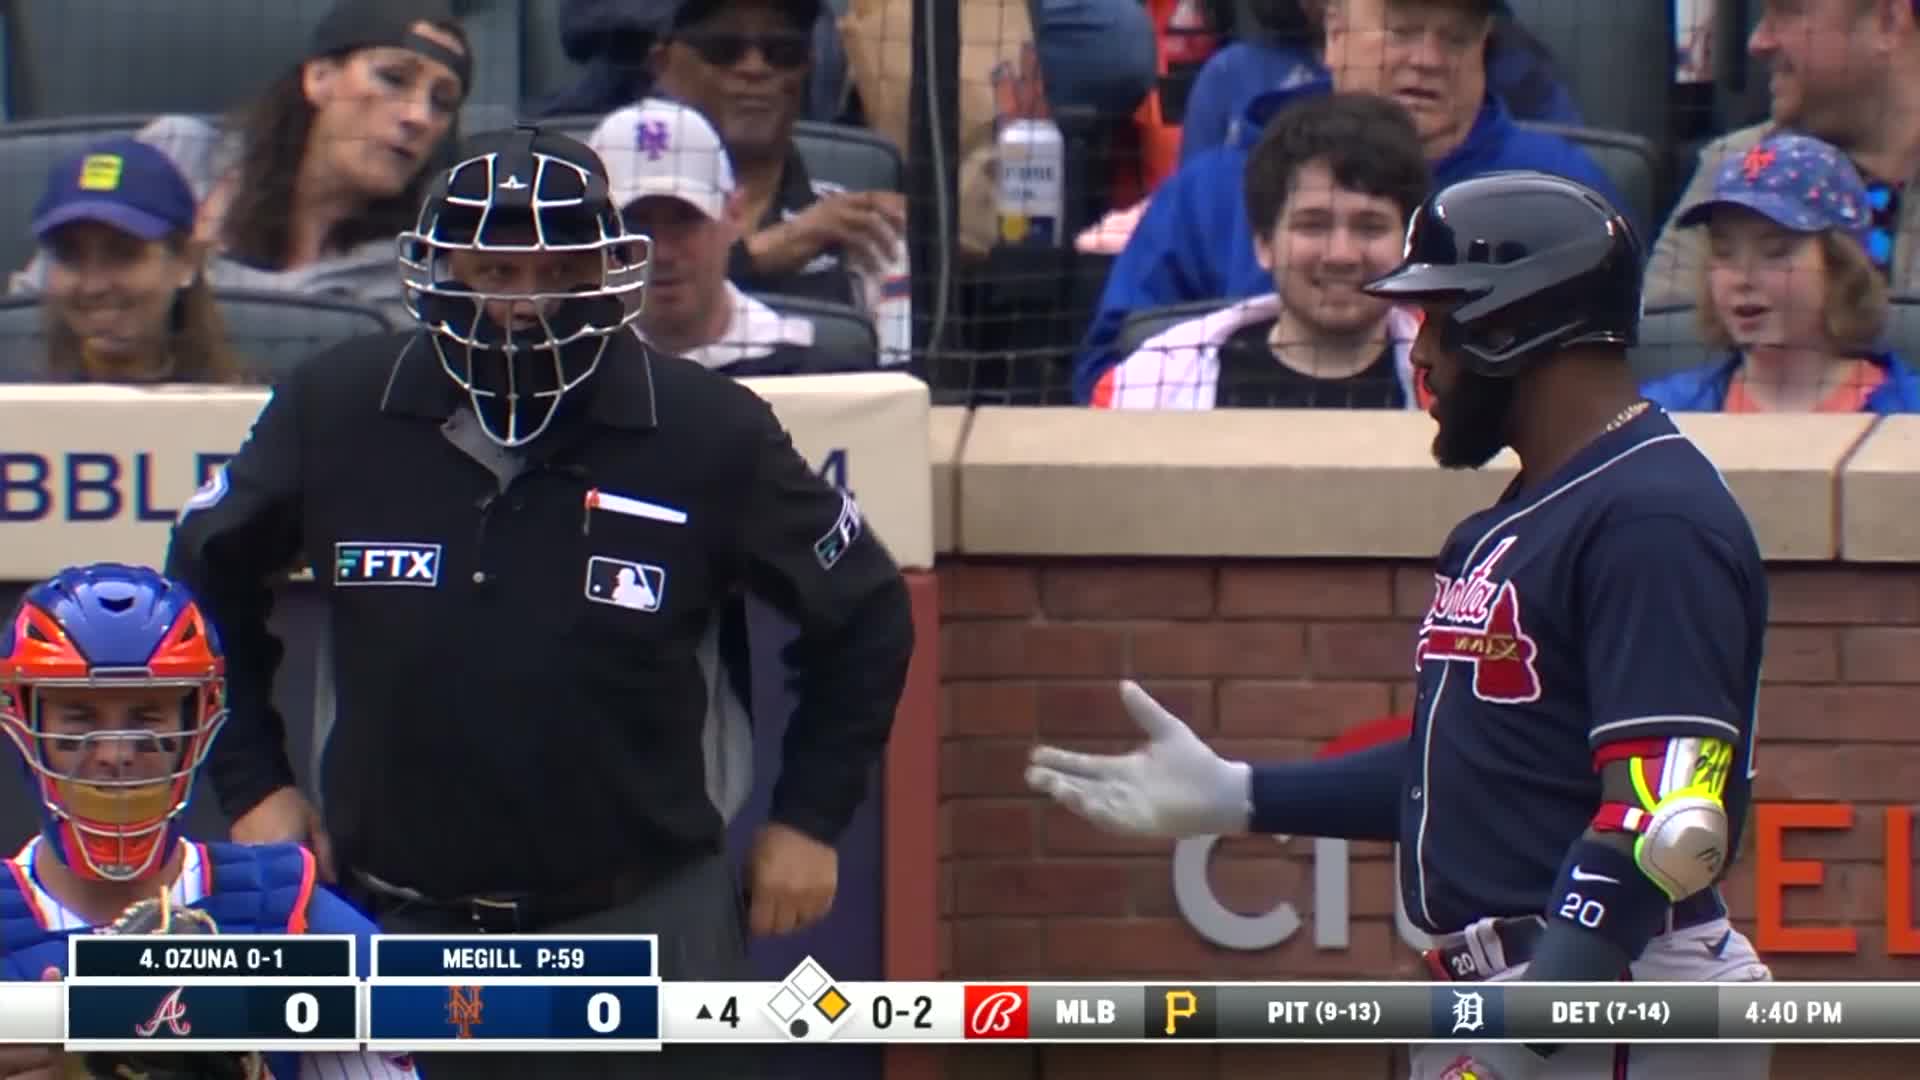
x=1031, y=185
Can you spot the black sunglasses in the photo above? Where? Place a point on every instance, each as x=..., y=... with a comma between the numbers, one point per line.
x=725, y=49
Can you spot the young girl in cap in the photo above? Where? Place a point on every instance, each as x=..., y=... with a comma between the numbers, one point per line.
x=124, y=298
x=1788, y=290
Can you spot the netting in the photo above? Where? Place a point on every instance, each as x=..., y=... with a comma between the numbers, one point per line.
x=1010, y=198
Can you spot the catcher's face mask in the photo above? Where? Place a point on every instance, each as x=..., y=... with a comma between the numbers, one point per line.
x=112, y=688
x=115, y=765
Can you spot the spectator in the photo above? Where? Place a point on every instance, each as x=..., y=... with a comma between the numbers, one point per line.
x=1194, y=241
x=744, y=64
x=1333, y=182
x=310, y=184
x=125, y=299
x=671, y=180
x=1789, y=291
x=1096, y=54
x=1843, y=71
x=1520, y=72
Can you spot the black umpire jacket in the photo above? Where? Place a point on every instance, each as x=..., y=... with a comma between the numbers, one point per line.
x=519, y=700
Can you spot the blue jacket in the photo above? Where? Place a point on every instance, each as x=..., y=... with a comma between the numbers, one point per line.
x=1246, y=69
x=1704, y=388
x=1194, y=242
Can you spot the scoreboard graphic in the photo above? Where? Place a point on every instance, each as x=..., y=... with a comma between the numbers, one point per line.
x=315, y=993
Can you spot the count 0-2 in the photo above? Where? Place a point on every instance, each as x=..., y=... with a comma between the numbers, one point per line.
x=915, y=1014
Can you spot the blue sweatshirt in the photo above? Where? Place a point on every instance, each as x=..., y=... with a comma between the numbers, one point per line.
x=1194, y=241
x=1246, y=69
x=1704, y=388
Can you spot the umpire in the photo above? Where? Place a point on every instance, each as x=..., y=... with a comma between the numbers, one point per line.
x=528, y=523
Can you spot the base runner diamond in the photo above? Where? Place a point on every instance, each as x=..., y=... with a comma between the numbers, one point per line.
x=808, y=1006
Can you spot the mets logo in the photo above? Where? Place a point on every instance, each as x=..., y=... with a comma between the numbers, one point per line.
x=650, y=138
x=463, y=1009
x=1477, y=620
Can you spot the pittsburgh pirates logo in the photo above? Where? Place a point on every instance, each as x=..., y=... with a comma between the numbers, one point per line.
x=1477, y=620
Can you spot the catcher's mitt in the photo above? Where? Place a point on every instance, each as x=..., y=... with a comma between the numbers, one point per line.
x=161, y=916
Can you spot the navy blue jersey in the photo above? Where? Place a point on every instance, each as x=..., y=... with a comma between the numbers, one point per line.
x=1622, y=598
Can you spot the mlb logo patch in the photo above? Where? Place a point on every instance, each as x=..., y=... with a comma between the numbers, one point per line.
x=635, y=586
x=386, y=562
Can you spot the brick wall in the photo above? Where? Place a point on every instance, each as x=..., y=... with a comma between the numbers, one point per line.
x=1272, y=659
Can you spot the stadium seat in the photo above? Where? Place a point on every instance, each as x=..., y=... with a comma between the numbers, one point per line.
x=837, y=329
x=1633, y=163
x=272, y=332
x=852, y=157
x=1616, y=59
x=545, y=67
x=1145, y=324
x=1903, y=328
x=275, y=331
x=1670, y=338
x=28, y=152
x=1669, y=341
x=74, y=57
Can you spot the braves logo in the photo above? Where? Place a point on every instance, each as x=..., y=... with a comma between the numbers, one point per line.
x=171, y=1013
x=996, y=1012
x=1476, y=619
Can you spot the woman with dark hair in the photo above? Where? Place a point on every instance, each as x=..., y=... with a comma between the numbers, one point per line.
x=305, y=188
x=1283, y=51
x=124, y=299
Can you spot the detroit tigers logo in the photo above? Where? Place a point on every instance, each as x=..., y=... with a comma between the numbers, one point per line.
x=651, y=139
x=1477, y=620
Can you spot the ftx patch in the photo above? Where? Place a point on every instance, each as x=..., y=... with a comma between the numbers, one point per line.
x=386, y=562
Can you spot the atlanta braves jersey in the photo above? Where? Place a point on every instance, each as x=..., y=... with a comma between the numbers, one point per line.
x=1621, y=598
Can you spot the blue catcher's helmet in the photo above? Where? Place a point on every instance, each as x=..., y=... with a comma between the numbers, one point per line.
x=112, y=686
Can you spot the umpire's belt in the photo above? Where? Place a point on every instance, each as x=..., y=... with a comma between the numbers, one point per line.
x=1492, y=946
x=517, y=914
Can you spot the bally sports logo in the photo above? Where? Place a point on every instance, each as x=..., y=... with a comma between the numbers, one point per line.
x=996, y=1012
x=1477, y=620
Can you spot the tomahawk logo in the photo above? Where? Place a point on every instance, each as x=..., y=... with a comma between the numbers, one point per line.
x=1476, y=619
x=172, y=1014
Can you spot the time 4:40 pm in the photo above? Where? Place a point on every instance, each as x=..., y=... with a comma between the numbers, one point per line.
x=1789, y=1011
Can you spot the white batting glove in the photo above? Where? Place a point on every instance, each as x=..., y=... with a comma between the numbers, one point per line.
x=1172, y=786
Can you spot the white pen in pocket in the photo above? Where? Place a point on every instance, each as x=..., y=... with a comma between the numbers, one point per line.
x=630, y=507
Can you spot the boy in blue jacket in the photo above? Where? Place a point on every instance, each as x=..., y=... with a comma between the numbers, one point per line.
x=112, y=687
x=1194, y=241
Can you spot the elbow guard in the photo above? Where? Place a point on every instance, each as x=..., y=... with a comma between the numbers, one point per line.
x=1676, y=812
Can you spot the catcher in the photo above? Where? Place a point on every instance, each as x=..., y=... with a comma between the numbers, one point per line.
x=112, y=688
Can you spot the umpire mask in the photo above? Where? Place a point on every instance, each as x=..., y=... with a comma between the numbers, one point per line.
x=522, y=271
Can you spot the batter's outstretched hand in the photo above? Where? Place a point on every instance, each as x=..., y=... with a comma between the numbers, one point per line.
x=1171, y=786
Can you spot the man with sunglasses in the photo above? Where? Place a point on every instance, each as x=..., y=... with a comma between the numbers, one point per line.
x=1848, y=73
x=745, y=64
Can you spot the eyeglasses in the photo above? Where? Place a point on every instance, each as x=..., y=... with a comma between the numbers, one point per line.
x=724, y=49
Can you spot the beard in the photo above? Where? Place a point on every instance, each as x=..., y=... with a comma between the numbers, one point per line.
x=1473, y=421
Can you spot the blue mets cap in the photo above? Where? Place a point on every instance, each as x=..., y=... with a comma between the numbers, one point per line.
x=121, y=182
x=1795, y=181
